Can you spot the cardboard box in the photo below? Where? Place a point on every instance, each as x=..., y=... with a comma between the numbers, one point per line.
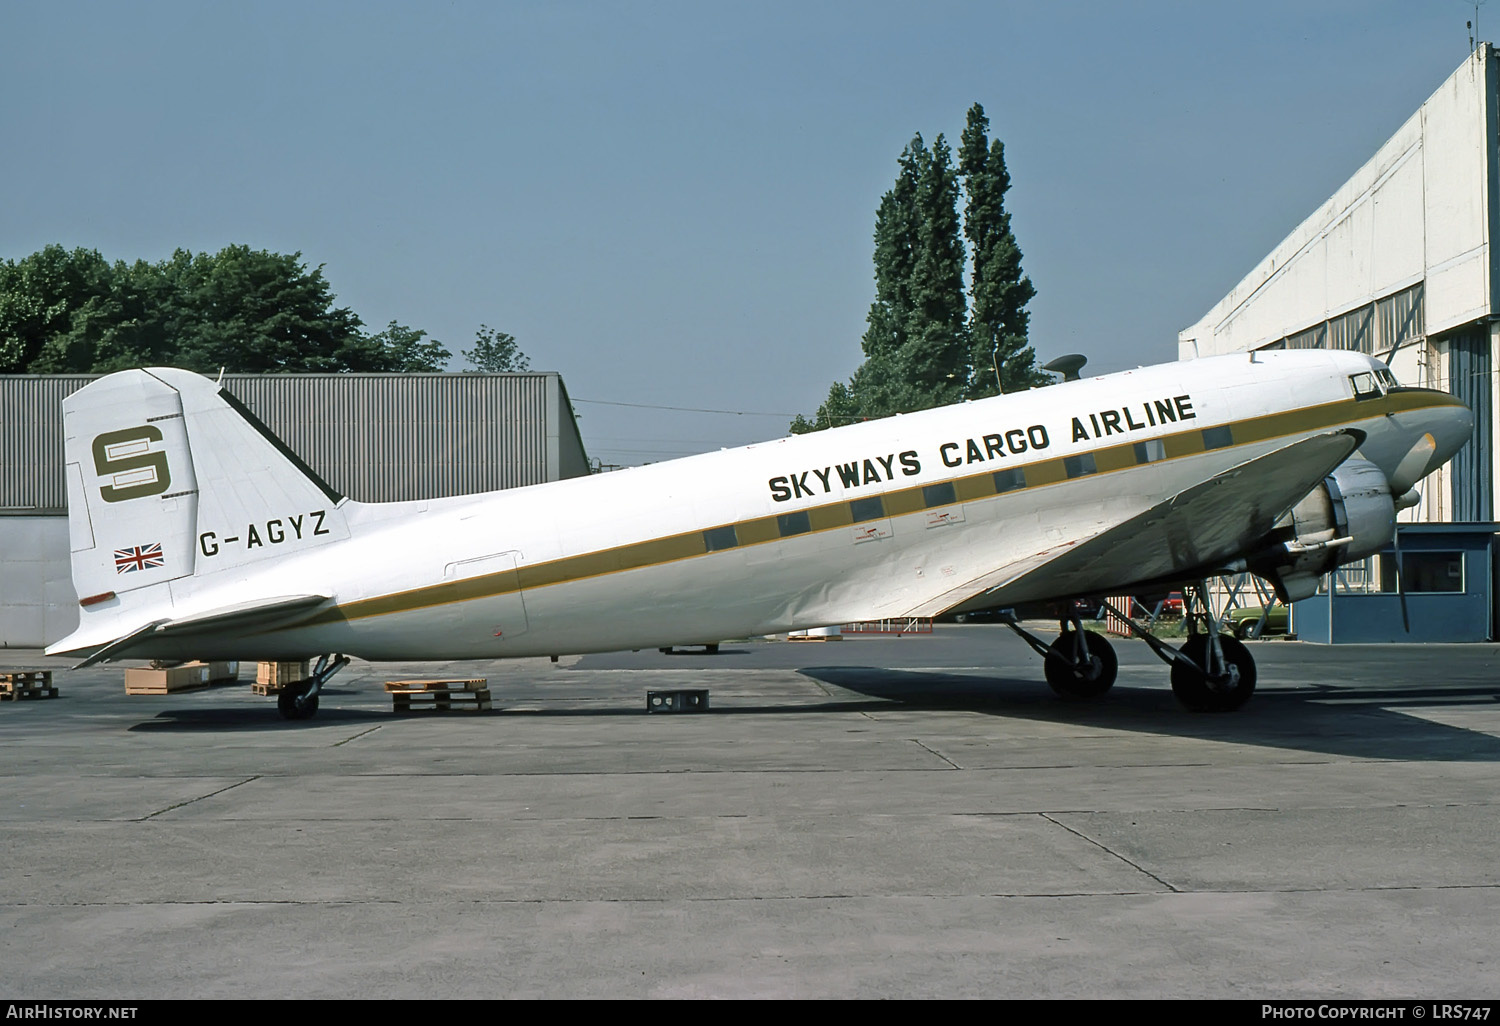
x=276, y=675
x=186, y=677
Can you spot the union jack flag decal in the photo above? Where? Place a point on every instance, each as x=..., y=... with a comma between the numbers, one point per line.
x=140, y=557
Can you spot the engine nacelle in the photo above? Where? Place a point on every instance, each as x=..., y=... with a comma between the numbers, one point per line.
x=1349, y=516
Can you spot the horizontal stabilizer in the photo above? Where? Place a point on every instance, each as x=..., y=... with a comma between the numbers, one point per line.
x=283, y=611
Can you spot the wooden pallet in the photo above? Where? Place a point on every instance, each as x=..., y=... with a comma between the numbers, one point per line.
x=24, y=684
x=25, y=679
x=439, y=695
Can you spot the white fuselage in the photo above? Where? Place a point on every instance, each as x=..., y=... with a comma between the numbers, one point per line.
x=908, y=515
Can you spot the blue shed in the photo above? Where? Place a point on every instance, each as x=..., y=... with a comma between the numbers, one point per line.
x=1446, y=572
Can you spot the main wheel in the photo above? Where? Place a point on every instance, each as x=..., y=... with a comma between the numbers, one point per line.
x=1224, y=691
x=1089, y=679
x=286, y=702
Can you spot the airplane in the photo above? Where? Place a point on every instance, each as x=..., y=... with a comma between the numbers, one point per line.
x=197, y=534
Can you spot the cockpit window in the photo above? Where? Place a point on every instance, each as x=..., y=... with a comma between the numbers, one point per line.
x=1371, y=384
x=1366, y=386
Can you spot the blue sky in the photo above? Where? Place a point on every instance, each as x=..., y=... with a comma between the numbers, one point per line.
x=672, y=203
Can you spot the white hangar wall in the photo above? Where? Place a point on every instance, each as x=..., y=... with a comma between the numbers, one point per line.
x=1399, y=257
x=1417, y=213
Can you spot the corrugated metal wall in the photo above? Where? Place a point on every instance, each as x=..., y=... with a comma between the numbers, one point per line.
x=1469, y=377
x=373, y=437
x=31, y=440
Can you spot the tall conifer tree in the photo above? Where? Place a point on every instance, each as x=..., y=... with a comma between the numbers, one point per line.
x=895, y=251
x=999, y=292
x=936, y=348
x=924, y=344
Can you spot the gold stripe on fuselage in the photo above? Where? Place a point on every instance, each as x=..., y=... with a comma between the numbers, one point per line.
x=835, y=515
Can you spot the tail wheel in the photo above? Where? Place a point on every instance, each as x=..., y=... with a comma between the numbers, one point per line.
x=1085, y=678
x=1223, y=691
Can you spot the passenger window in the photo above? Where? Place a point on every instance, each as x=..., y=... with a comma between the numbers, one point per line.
x=1079, y=466
x=1009, y=480
x=789, y=524
x=939, y=495
x=720, y=538
x=1218, y=437
x=1150, y=452
x=867, y=509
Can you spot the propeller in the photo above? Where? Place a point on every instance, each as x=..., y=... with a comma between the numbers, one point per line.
x=1413, y=466
x=1401, y=578
x=1411, y=469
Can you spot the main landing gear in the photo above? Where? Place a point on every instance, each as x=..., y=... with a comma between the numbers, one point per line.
x=1080, y=664
x=298, y=700
x=1211, y=672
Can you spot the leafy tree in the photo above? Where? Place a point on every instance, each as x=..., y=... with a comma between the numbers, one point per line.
x=998, y=291
x=38, y=297
x=398, y=349
x=924, y=344
x=839, y=408
x=257, y=312
x=495, y=352
x=65, y=311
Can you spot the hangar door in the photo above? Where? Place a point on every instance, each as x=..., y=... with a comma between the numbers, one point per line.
x=1469, y=375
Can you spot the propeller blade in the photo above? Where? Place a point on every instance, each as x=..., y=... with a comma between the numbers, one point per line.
x=1413, y=466
x=1401, y=580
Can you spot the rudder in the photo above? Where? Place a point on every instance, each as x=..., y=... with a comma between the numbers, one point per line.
x=169, y=476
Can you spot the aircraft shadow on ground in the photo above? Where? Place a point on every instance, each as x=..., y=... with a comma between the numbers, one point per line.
x=1350, y=721
x=187, y=719
x=1334, y=720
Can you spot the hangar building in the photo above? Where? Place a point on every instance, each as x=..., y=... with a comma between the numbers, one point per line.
x=373, y=437
x=1400, y=262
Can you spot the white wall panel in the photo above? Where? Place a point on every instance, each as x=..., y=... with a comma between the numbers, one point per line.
x=1397, y=247
x=1457, y=292
x=37, y=601
x=1418, y=209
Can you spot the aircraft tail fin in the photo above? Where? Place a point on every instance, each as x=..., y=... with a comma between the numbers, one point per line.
x=168, y=477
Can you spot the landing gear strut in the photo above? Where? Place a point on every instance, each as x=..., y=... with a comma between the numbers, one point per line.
x=298, y=700
x=1080, y=665
x=1212, y=672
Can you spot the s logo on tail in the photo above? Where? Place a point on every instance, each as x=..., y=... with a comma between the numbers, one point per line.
x=125, y=459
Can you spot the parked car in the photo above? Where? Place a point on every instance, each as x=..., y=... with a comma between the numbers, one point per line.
x=1170, y=603
x=1088, y=609
x=1244, y=619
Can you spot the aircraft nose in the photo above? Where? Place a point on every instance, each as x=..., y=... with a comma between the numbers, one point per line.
x=1445, y=430
x=1452, y=429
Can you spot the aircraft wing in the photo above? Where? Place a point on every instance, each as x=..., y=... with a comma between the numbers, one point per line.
x=1199, y=528
x=240, y=617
